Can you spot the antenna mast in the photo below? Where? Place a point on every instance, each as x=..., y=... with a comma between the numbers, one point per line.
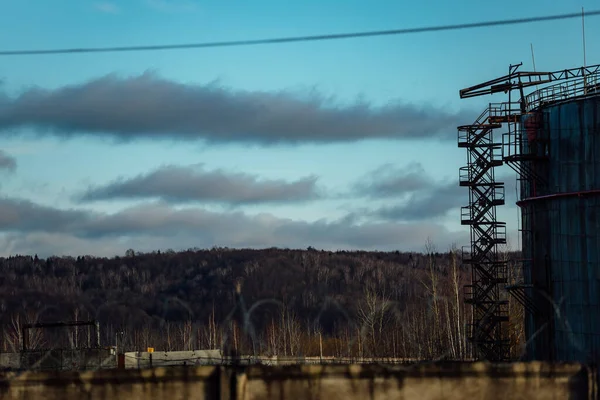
x=584, y=60
x=533, y=61
x=583, y=34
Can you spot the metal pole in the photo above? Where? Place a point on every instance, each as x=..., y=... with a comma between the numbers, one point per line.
x=584, y=60
x=583, y=34
x=25, y=338
x=533, y=61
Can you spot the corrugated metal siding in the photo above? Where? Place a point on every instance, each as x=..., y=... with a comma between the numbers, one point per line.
x=567, y=229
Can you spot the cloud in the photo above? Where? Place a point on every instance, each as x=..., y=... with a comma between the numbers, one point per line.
x=106, y=7
x=391, y=181
x=432, y=203
x=150, y=107
x=29, y=228
x=7, y=162
x=177, y=184
x=18, y=215
x=419, y=196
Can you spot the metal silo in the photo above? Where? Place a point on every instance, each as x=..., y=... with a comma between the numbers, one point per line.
x=551, y=137
x=559, y=205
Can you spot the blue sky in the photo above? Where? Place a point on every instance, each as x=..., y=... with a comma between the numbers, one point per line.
x=424, y=71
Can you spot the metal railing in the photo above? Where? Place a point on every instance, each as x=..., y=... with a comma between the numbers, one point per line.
x=503, y=111
x=562, y=91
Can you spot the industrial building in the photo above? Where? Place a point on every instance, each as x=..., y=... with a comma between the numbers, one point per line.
x=549, y=133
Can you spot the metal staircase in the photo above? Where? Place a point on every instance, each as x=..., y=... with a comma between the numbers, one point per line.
x=488, y=272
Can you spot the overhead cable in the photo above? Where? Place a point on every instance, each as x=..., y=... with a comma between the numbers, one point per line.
x=296, y=38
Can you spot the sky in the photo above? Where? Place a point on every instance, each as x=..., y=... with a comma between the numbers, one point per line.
x=338, y=145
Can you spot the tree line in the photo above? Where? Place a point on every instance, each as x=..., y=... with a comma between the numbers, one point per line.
x=263, y=302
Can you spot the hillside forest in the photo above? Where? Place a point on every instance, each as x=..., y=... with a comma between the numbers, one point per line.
x=263, y=302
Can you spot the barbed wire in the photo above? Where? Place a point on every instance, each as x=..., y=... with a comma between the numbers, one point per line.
x=427, y=307
x=68, y=359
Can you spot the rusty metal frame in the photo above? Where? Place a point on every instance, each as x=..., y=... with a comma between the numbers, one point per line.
x=517, y=80
x=49, y=325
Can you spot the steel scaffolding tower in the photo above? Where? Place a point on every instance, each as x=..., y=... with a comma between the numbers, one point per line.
x=487, y=293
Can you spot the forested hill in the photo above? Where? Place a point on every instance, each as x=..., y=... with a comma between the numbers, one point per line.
x=144, y=294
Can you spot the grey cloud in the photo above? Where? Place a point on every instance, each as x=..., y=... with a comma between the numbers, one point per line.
x=391, y=181
x=432, y=203
x=7, y=162
x=178, y=184
x=426, y=198
x=23, y=215
x=157, y=226
x=150, y=107
x=509, y=178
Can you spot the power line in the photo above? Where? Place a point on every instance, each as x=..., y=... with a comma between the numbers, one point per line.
x=298, y=38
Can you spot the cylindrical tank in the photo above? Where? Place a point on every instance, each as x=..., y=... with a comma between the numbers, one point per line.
x=560, y=201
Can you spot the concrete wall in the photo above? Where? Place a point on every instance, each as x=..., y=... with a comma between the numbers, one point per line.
x=85, y=359
x=433, y=381
x=10, y=360
x=172, y=358
x=214, y=357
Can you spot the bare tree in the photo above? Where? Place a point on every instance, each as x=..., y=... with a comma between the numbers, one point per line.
x=516, y=326
x=16, y=331
x=367, y=314
x=185, y=331
x=373, y=316
x=458, y=315
x=293, y=331
x=432, y=288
